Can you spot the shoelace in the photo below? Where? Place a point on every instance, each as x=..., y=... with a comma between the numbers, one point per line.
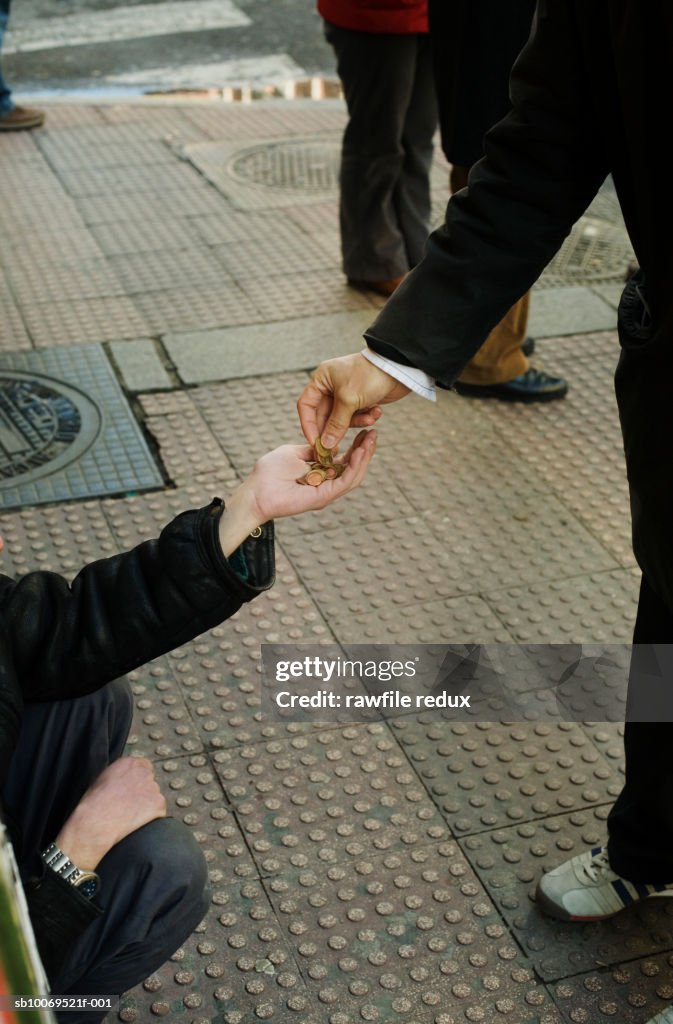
x=598, y=865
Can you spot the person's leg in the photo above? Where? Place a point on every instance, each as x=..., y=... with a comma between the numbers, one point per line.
x=154, y=892
x=377, y=74
x=500, y=358
x=412, y=193
x=62, y=748
x=640, y=825
x=6, y=103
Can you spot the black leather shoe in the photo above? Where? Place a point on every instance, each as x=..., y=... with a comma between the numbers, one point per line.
x=532, y=386
x=528, y=346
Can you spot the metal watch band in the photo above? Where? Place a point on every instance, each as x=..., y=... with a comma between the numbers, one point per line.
x=87, y=882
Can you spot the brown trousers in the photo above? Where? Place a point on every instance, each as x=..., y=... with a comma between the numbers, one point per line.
x=500, y=357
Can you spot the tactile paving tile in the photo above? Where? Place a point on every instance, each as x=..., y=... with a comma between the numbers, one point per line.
x=584, y=609
x=193, y=793
x=328, y=796
x=236, y=968
x=562, y=447
x=632, y=993
x=36, y=281
x=145, y=236
x=83, y=320
x=491, y=775
x=317, y=218
x=245, y=123
x=188, y=449
x=67, y=115
x=234, y=226
x=68, y=150
x=409, y=936
x=61, y=540
x=73, y=245
x=170, y=401
x=244, y=260
x=13, y=333
x=131, y=122
x=227, y=409
x=282, y=297
x=179, y=269
x=107, y=181
x=170, y=203
x=510, y=861
x=222, y=305
x=464, y=619
x=162, y=726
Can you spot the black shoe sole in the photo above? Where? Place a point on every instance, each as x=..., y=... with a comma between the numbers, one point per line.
x=495, y=391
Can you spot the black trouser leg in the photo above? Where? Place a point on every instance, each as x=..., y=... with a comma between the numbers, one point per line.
x=640, y=825
x=154, y=882
x=381, y=78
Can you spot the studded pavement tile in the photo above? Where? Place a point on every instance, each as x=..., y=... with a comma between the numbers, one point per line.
x=127, y=236
x=282, y=297
x=107, y=181
x=222, y=305
x=584, y=609
x=233, y=226
x=55, y=539
x=129, y=122
x=254, y=258
x=61, y=115
x=468, y=619
x=236, y=968
x=193, y=792
x=179, y=269
x=227, y=409
x=632, y=993
x=38, y=247
x=188, y=449
x=491, y=775
x=409, y=935
x=330, y=796
x=68, y=150
x=81, y=321
x=162, y=727
x=61, y=282
x=189, y=201
x=13, y=333
x=509, y=862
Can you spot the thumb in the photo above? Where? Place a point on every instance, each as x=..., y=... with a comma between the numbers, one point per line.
x=338, y=422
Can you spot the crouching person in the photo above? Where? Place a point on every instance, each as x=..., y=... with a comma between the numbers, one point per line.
x=113, y=885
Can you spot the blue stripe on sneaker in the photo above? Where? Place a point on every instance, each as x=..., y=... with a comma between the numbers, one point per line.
x=623, y=893
x=642, y=890
x=596, y=850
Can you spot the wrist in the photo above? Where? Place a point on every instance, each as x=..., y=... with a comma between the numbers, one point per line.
x=80, y=847
x=240, y=517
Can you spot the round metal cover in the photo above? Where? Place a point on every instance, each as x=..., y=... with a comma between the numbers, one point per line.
x=595, y=250
x=44, y=425
x=311, y=166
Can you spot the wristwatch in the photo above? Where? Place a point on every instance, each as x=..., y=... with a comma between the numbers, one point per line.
x=86, y=882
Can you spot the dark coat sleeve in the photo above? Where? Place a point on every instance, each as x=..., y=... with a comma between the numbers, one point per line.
x=120, y=612
x=543, y=165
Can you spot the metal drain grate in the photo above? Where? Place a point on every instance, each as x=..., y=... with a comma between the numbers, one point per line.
x=595, y=250
x=309, y=166
x=66, y=430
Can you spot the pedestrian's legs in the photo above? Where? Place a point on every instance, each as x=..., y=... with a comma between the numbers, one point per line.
x=500, y=357
x=640, y=824
x=154, y=893
x=377, y=72
x=63, y=747
x=6, y=103
x=412, y=192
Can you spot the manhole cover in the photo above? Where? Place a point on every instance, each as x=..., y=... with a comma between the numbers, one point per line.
x=595, y=250
x=309, y=166
x=66, y=429
x=44, y=425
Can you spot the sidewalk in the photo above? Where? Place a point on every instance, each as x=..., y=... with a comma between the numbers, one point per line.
x=177, y=267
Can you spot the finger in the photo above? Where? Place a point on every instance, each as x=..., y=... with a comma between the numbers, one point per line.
x=359, y=439
x=355, y=469
x=344, y=408
x=313, y=407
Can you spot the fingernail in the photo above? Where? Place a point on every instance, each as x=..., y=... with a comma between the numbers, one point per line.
x=328, y=440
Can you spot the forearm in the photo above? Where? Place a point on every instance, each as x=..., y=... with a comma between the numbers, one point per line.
x=543, y=165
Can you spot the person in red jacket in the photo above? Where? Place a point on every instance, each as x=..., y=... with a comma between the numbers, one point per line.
x=384, y=62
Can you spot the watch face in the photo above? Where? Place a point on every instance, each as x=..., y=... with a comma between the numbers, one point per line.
x=89, y=887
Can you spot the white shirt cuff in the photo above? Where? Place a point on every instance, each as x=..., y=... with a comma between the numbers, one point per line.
x=416, y=380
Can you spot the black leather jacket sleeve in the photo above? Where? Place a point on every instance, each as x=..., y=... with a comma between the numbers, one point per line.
x=120, y=612
x=543, y=164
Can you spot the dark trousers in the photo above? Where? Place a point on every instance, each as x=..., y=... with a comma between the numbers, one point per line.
x=640, y=824
x=387, y=150
x=153, y=883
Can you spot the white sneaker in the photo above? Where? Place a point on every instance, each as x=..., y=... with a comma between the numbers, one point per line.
x=585, y=888
x=665, y=1017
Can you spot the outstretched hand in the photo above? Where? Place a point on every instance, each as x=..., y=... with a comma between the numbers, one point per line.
x=273, y=490
x=342, y=393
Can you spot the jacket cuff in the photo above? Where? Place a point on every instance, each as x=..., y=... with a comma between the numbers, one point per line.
x=59, y=914
x=382, y=348
x=257, y=550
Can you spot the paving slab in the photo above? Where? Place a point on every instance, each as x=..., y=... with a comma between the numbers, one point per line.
x=177, y=269
x=147, y=235
x=296, y=344
x=568, y=310
x=509, y=862
x=632, y=992
x=82, y=321
x=162, y=727
x=284, y=297
x=222, y=305
x=56, y=539
x=140, y=365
